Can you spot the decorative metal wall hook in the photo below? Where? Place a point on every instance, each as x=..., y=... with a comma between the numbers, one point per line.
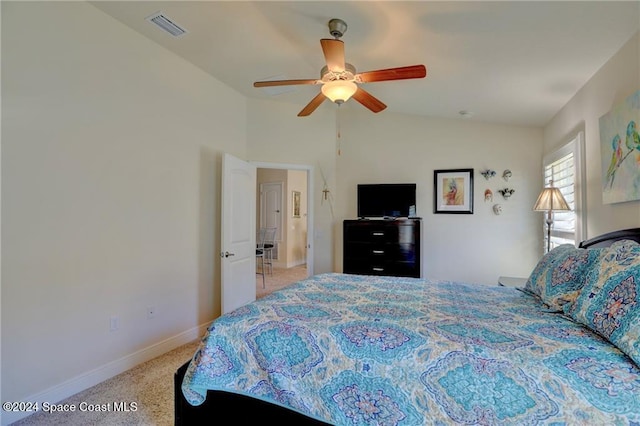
x=325, y=193
x=488, y=174
x=506, y=192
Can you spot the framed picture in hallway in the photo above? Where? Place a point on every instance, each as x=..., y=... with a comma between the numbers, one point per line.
x=296, y=203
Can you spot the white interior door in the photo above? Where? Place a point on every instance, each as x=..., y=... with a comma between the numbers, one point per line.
x=271, y=207
x=238, y=245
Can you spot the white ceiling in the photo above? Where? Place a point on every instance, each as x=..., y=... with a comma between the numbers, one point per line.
x=511, y=62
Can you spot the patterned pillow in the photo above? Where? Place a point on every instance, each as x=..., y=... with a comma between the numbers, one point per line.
x=610, y=300
x=538, y=276
x=560, y=275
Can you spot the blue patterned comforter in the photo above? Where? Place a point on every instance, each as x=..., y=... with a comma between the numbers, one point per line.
x=361, y=350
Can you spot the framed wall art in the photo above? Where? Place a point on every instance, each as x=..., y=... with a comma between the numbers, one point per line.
x=453, y=191
x=296, y=203
x=620, y=151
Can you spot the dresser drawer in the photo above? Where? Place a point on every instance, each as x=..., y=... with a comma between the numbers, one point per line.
x=397, y=269
x=379, y=233
x=362, y=250
x=366, y=267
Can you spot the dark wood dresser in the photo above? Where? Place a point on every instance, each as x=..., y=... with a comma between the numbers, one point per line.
x=382, y=247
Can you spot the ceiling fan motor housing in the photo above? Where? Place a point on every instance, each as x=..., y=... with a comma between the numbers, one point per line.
x=337, y=27
x=349, y=73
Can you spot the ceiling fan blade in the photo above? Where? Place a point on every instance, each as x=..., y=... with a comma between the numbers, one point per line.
x=311, y=106
x=283, y=83
x=368, y=100
x=333, y=53
x=401, y=73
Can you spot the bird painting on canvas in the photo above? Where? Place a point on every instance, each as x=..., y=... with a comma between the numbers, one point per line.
x=620, y=151
x=616, y=159
x=633, y=138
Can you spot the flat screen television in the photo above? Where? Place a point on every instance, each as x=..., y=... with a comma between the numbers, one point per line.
x=386, y=200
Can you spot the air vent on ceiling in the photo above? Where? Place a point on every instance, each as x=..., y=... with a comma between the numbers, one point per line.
x=166, y=24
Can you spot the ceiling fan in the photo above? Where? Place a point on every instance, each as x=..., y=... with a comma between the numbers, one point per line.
x=340, y=80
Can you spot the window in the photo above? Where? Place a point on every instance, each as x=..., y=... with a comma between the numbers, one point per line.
x=564, y=168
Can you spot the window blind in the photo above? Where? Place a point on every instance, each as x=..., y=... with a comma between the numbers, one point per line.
x=561, y=173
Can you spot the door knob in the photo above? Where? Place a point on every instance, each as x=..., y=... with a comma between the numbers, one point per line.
x=226, y=254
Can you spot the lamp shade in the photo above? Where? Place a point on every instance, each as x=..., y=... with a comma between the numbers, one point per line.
x=339, y=91
x=551, y=199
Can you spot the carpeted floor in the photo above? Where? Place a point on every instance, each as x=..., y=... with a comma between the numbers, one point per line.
x=149, y=385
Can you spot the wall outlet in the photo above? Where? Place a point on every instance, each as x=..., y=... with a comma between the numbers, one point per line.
x=114, y=323
x=151, y=312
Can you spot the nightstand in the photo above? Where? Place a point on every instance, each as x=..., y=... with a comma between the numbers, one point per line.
x=512, y=281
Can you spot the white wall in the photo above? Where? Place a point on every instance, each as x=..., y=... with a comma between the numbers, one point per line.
x=614, y=82
x=391, y=148
x=111, y=184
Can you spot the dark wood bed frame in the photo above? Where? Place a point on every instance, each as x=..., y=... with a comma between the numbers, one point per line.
x=242, y=409
x=606, y=240
x=247, y=410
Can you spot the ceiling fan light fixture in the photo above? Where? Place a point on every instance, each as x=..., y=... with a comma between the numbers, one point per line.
x=339, y=91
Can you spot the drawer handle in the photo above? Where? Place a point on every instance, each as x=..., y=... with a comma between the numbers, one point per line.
x=378, y=269
x=378, y=234
x=378, y=251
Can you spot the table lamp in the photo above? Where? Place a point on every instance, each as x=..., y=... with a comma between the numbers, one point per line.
x=550, y=200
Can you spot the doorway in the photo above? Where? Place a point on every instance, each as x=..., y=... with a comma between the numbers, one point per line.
x=283, y=201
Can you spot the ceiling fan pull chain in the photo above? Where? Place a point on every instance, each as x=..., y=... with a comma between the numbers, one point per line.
x=338, y=136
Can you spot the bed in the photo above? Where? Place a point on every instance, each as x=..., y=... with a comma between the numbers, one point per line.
x=361, y=350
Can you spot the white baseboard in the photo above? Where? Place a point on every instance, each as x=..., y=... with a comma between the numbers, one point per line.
x=294, y=263
x=91, y=378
